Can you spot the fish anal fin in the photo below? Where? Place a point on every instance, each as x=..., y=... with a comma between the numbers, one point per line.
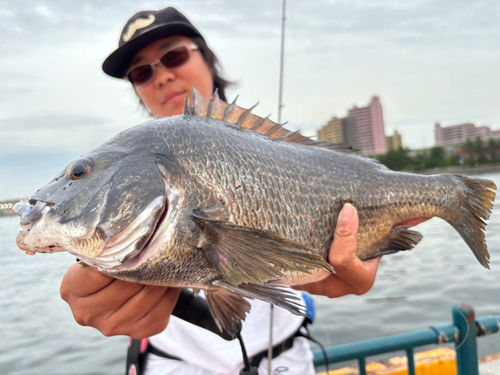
x=398, y=239
x=251, y=255
x=228, y=308
x=274, y=292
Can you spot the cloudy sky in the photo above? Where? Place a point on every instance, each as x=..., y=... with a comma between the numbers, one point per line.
x=428, y=60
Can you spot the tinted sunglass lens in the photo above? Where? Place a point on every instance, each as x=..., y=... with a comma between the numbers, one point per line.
x=140, y=74
x=175, y=58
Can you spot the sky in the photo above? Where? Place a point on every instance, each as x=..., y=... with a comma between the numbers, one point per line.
x=428, y=60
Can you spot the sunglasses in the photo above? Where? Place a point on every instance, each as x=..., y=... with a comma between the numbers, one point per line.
x=173, y=59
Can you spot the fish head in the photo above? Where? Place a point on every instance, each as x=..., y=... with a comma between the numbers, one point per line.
x=102, y=208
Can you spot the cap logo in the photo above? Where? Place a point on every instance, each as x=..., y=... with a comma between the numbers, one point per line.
x=138, y=24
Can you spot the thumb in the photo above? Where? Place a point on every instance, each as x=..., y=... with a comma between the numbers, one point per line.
x=343, y=249
x=348, y=222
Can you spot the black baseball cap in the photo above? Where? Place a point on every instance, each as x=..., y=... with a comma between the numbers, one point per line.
x=143, y=29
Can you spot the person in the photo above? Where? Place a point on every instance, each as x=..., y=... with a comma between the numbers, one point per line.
x=162, y=54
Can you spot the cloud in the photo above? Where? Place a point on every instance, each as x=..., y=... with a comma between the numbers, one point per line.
x=9, y=92
x=6, y=13
x=50, y=122
x=45, y=12
x=64, y=133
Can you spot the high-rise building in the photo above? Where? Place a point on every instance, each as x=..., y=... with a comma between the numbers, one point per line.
x=458, y=134
x=333, y=132
x=395, y=141
x=364, y=129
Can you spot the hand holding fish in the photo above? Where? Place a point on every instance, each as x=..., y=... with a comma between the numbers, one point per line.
x=117, y=307
x=352, y=276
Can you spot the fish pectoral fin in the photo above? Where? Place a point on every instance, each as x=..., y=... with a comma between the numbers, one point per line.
x=399, y=239
x=228, y=308
x=249, y=255
x=275, y=292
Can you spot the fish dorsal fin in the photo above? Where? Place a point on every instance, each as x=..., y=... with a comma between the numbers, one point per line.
x=218, y=109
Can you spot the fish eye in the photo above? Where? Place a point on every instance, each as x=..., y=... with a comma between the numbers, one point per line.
x=80, y=169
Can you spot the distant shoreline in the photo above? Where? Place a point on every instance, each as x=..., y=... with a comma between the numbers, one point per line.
x=466, y=170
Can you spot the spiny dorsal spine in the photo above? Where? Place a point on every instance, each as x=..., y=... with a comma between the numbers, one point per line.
x=235, y=115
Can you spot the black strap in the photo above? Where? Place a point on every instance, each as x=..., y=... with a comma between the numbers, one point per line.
x=135, y=359
x=304, y=332
x=151, y=349
x=195, y=310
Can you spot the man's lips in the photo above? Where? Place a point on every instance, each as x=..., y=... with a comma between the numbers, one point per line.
x=172, y=97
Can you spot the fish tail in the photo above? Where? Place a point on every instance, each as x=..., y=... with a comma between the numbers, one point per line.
x=475, y=205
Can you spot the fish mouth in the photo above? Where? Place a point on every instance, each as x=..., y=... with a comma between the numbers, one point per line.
x=34, y=218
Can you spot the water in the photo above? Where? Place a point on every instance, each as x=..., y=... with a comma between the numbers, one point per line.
x=413, y=291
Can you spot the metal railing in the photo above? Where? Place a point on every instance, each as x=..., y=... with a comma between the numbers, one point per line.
x=463, y=332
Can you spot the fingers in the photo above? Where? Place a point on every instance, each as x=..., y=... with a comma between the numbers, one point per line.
x=145, y=314
x=82, y=280
x=157, y=318
x=139, y=305
x=117, y=307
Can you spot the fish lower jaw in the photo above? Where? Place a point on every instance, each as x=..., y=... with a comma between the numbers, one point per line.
x=41, y=250
x=32, y=250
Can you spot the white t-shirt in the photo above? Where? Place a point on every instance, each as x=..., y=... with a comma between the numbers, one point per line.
x=204, y=352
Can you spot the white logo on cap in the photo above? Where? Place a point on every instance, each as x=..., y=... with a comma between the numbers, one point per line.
x=139, y=23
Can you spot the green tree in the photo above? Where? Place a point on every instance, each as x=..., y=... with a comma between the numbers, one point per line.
x=469, y=147
x=480, y=149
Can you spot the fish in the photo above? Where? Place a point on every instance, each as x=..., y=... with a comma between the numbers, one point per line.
x=223, y=200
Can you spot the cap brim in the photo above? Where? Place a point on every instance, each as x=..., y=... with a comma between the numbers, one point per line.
x=117, y=63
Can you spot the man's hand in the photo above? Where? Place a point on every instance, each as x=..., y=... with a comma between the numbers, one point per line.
x=352, y=276
x=117, y=307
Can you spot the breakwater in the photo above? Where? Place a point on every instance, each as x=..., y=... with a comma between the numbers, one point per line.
x=6, y=207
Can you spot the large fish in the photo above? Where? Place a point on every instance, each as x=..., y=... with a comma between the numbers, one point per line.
x=222, y=200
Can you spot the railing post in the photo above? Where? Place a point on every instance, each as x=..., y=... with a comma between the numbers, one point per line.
x=464, y=319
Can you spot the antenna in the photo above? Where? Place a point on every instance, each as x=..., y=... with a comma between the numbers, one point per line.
x=282, y=61
x=280, y=105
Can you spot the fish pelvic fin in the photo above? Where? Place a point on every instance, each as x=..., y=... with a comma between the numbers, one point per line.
x=399, y=239
x=250, y=255
x=475, y=207
x=218, y=109
x=228, y=308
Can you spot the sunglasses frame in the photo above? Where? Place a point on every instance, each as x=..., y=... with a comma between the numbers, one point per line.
x=153, y=65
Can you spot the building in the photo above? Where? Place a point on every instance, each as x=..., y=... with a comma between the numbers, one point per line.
x=363, y=129
x=459, y=134
x=333, y=132
x=394, y=142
